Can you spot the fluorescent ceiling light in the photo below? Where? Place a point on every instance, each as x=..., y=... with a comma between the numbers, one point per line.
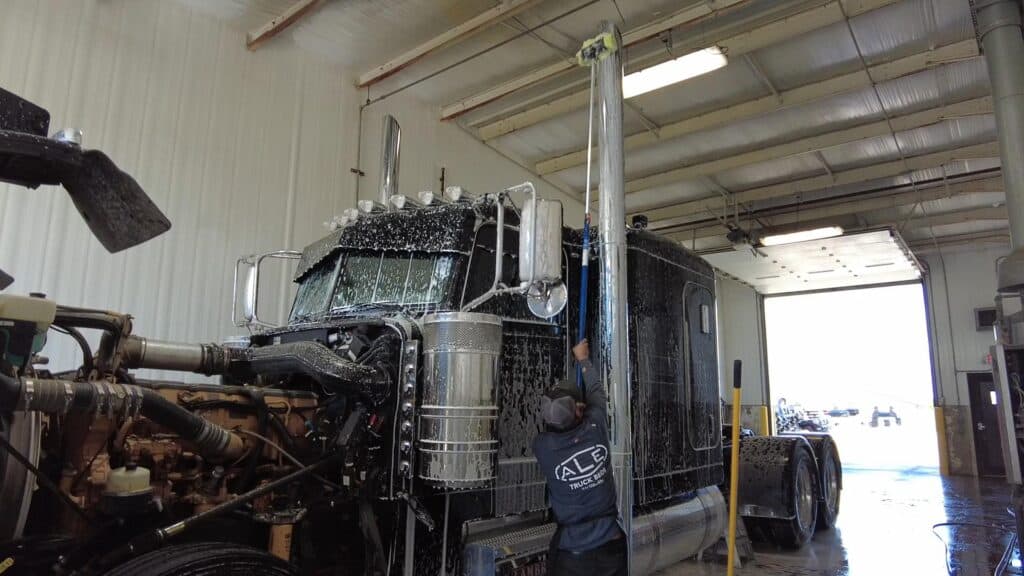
x=673, y=71
x=802, y=236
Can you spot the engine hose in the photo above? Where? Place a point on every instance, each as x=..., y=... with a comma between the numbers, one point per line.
x=65, y=396
x=208, y=359
x=320, y=363
x=151, y=540
x=76, y=335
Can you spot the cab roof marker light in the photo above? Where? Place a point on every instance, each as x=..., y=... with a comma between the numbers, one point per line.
x=802, y=236
x=457, y=194
x=336, y=222
x=370, y=207
x=427, y=197
x=674, y=71
x=402, y=202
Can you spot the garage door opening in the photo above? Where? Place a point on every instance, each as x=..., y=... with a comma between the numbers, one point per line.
x=857, y=363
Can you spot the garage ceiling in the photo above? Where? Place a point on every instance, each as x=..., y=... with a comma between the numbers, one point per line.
x=858, y=259
x=826, y=109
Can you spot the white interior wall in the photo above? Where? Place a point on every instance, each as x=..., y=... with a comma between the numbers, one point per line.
x=244, y=152
x=741, y=336
x=960, y=279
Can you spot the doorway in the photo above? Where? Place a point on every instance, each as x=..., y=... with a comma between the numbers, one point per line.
x=981, y=392
x=857, y=364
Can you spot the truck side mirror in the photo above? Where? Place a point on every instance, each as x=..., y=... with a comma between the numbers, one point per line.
x=247, y=269
x=540, y=256
x=540, y=242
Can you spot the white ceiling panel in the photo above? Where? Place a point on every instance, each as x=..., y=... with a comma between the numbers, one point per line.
x=902, y=28
x=824, y=52
x=663, y=195
x=770, y=172
x=948, y=134
x=776, y=127
x=726, y=86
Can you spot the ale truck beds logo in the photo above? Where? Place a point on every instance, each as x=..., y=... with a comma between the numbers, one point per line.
x=585, y=468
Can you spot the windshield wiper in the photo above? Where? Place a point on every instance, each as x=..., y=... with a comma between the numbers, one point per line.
x=367, y=306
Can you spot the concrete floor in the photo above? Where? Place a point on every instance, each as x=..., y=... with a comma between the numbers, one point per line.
x=885, y=527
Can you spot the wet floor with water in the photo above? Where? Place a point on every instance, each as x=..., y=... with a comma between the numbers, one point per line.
x=891, y=523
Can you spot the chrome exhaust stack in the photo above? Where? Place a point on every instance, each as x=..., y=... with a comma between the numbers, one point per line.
x=391, y=144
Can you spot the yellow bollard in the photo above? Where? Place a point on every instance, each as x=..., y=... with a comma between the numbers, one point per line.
x=734, y=476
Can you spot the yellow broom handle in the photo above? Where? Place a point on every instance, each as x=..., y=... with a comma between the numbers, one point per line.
x=734, y=476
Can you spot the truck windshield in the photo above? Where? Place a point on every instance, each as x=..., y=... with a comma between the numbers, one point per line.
x=364, y=278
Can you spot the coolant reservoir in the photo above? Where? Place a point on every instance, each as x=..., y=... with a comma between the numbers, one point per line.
x=24, y=321
x=458, y=438
x=125, y=481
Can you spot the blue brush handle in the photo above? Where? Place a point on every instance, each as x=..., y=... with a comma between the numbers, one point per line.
x=581, y=331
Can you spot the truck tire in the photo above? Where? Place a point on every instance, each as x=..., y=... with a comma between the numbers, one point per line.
x=206, y=558
x=831, y=485
x=795, y=532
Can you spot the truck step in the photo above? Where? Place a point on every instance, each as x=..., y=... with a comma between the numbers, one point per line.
x=519, y=551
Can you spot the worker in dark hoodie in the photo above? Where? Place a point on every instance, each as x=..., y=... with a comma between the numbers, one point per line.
x=573, y=454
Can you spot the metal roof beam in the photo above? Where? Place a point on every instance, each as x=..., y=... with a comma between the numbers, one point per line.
x=926, y=245
x=760, y=37
x=274, y=27
x=822, y=141
x=822, y=214
x=685, y=15
x=835, y=85
x=683, y=212
x=958, y=217
x=467, y=29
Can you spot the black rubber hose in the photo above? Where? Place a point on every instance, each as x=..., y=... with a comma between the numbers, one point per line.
x=207, y=436
x=10, y=390
x=87, y=360
x=59, y=396
x=318, y=362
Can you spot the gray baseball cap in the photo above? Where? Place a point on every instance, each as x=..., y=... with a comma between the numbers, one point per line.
x=558, y=406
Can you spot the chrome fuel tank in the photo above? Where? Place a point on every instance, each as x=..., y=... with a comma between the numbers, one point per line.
x=458, y=439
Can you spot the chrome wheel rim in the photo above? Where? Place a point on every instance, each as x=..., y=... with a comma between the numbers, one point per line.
x=831, y=485
x=804, y=498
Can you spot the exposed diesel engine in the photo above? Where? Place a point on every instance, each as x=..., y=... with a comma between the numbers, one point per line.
x=128, y=460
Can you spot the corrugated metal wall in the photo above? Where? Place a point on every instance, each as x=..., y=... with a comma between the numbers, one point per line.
x=244, y=152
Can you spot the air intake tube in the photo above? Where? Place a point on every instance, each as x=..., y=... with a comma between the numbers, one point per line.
x=206, y=359
x=105, y=398
x=370, y=378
